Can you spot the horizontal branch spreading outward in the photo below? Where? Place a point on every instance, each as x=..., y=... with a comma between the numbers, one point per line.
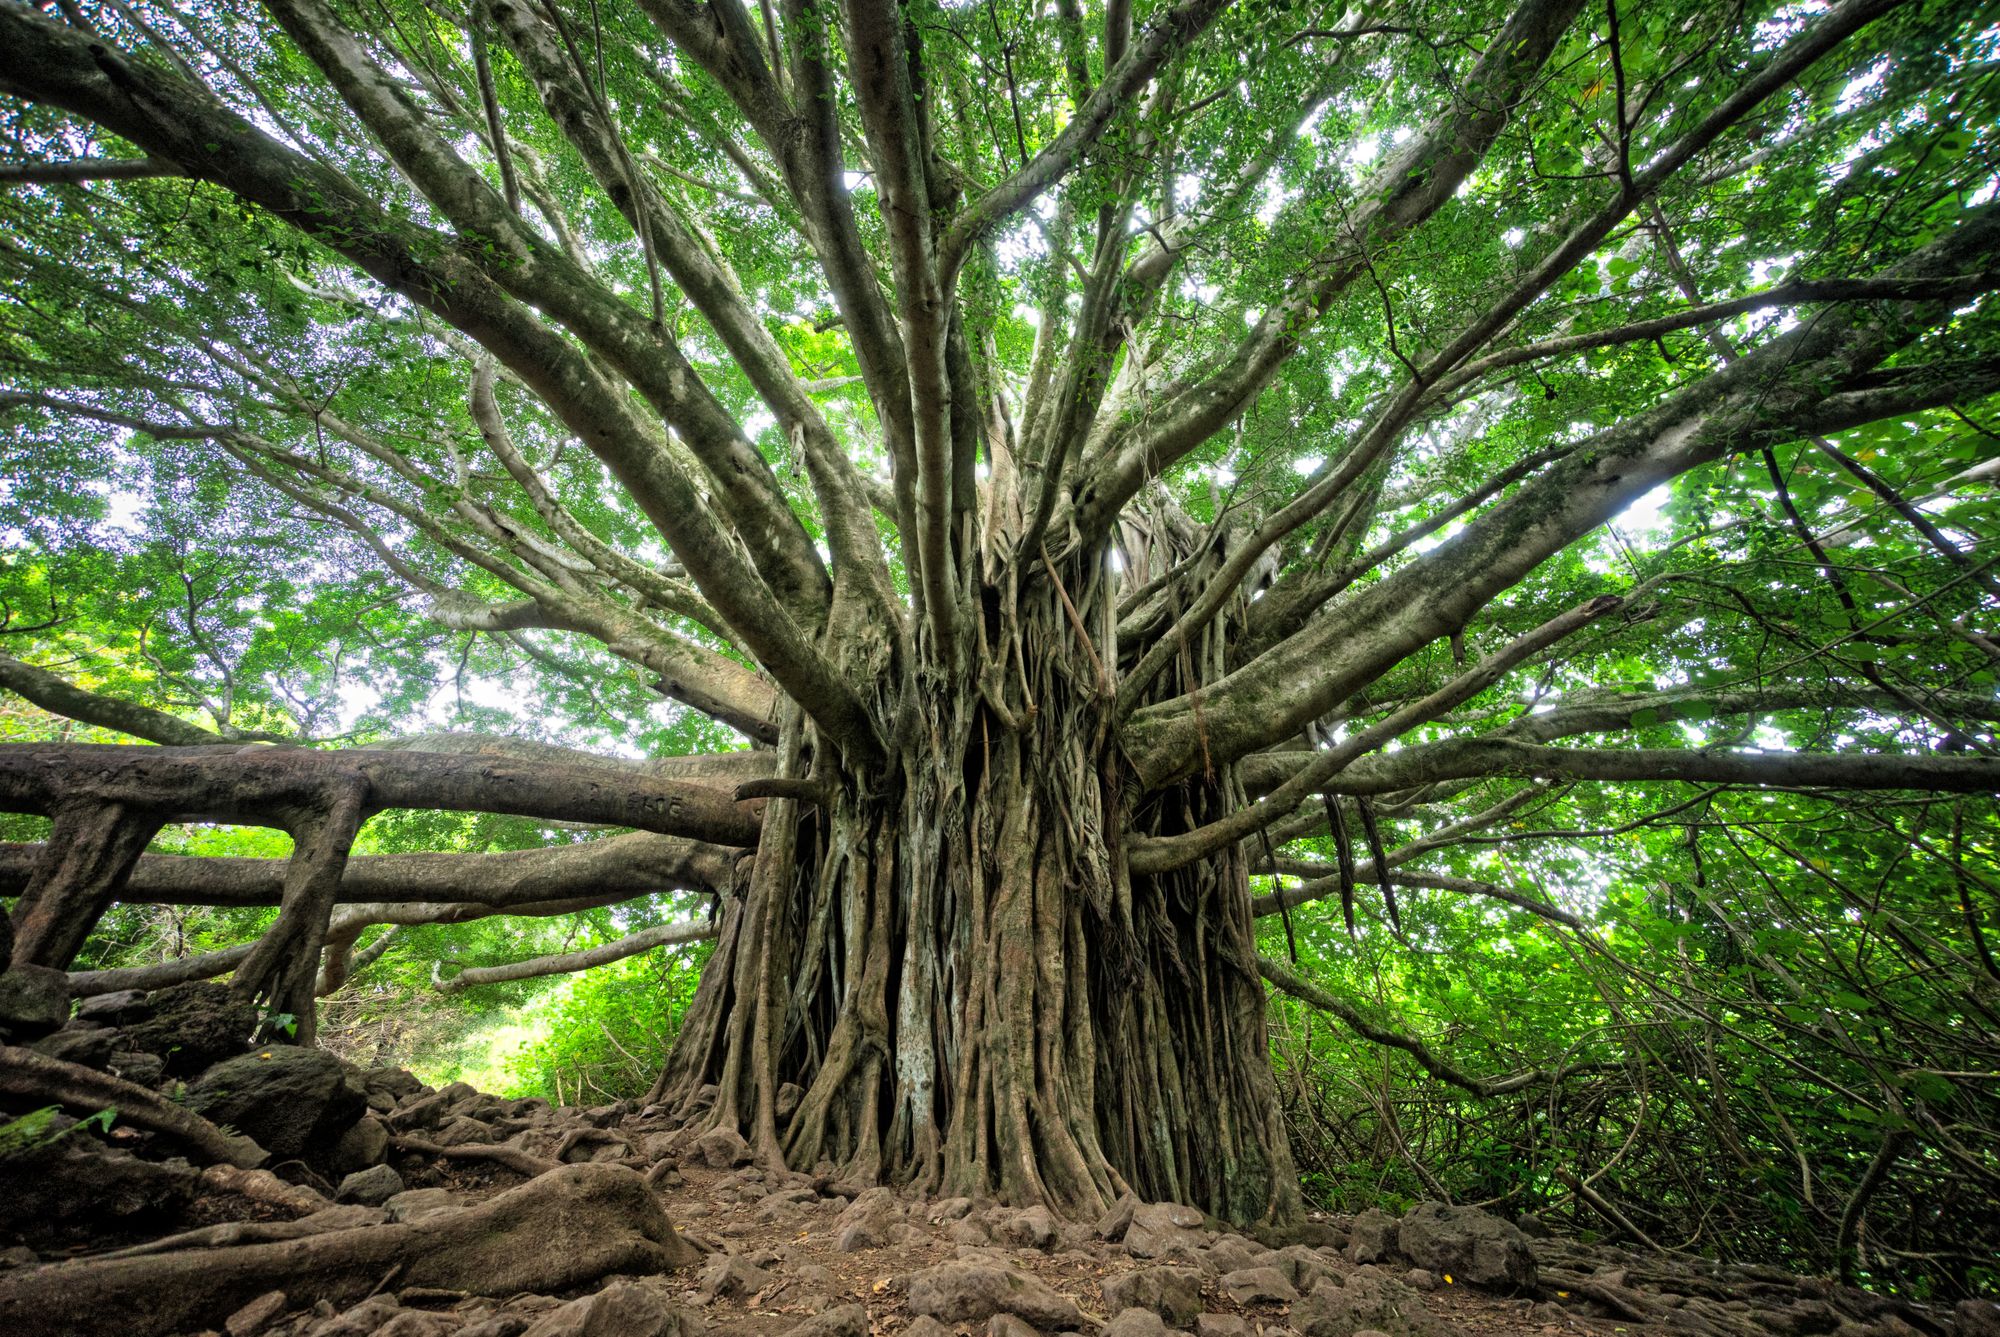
x=210, y=784
x=59, y=696
x=80, y=170
x=617, y=866
x=1474, y=758
x=564, y=963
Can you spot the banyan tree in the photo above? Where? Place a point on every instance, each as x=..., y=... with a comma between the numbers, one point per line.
x=1086, y=479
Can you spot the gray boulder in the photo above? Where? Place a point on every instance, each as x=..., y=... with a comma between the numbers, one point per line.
x=85, y=1043
x=622, y=1309
x=962, y=1292
x=845, y=1321
x=371, y=1187
x=1374, y=1237
x=1259, y=1286
x=721, y=1149
x=34, y=1000
x=1173, y=1293
x=1135, y=1323
x=293, y=1102
x=1368, y=1302
x=1158, y=1226
x=363, y=1145
x=1468, y=1245
x=115, y=1009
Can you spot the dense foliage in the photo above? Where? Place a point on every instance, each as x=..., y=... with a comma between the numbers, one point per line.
x=306, y=384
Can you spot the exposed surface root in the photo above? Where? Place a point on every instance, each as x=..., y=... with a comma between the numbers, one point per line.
x=33, y=1076
x=562, y=1230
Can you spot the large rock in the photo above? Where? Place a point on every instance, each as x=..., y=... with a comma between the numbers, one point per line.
x=1158, y=1226
x=363, y=1145
x=1467, y=1245
x=293, y=1102
x=34, y=1001
x=82, y=1043
x=1259, y=1286
x=371, y=1187
x=622, y=1309
x=1365, y=1303
x=1976, y=1318
x=962, y=1292
x=1173, y=1293
x=194, y=1026
x=1135, y=1323
x=722, y=1148
x=1374, y=1237
x=115, y=1009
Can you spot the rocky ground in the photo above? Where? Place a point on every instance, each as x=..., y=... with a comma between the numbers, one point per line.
x=378, y=1207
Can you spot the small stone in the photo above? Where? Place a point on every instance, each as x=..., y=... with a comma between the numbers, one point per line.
x=789, y=1096
x=1533, y=1226
x=926, y=1326
x=254, y=1317
x=1221, y=1325
x=1135, y=1323
x=950, y=1209
x=1007, y=1325
x=1420, y=1279
x=371, y=1187
x=731, y=1277
x=846, y=1321
x=1259, y=1286
x=721, y=1149
x=1171, y=1292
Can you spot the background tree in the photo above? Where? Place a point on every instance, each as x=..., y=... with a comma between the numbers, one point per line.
x=1096, y=457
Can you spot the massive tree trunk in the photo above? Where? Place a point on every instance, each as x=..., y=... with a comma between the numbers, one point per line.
x=948, y=958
